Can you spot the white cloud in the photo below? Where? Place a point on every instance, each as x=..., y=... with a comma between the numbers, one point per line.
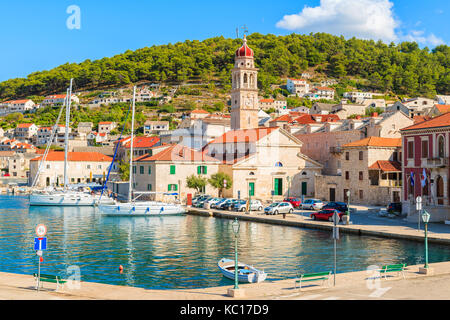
x=420, y=37
x=367, y=19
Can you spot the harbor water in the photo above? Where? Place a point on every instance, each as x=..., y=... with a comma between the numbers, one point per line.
x=181, y=251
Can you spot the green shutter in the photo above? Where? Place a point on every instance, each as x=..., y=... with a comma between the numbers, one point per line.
x=149, y=187
x=206, y=171
x=169, y=187
x=176, y=187
x=251, y=186
x=275, y=187
x=172, y=169
x=141, y=169
x=199, y=170
x=149, y=170
x=304, y=188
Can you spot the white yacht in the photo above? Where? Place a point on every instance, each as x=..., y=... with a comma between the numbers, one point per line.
x=134, y=207
x=65, y=196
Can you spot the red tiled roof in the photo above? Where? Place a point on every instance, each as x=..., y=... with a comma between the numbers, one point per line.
x=326, y=117
x=17, y=101
x=140, y=142
x=284, y=118
x=177, y=153
x=75, y=156
x=57, y=96
x=304, y=119
x=419, y=119
x=376, y=142
x=199, y=112
x=437, y=122
x=387, y=166
x=266, y=100
x=244, y=135
x=25, y=125
x=105, y=122
x=297, y=79
x=324, y=89
x=443, y=108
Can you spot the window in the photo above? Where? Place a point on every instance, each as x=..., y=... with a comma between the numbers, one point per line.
x=141, y=169
x=149, y=170
x=172, y=187
x=441, y=145
x=347, y=175
x=149, y=187
x=360, y=155
x=134, y=169
x=424, y=149
x=361, y=194
x=347, y=156
x=361, y=175
x=410, y=149
x=172, y=169
x=88, y=166
x=201, y=170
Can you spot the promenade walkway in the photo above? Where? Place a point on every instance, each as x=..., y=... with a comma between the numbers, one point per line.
x=352, y=285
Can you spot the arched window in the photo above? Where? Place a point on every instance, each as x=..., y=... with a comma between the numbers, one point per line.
x=441, y=147
x=251, y=173
x=245, y=78
x=278, y=164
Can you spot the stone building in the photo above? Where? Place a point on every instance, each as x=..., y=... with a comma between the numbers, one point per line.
x=83, y=167
x=167, y=169
x=426, y=155
x=371, y=171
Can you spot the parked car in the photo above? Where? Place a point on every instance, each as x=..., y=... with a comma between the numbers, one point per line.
x=226, y=204
x=210, y=201
x=217, y=203
x=255, y=205
x=312, y=204
x=339, y=206
x=279, y=207
x=198, y=198
x=296, y=202
x=238, y=204
x=394, y=207
x=326, y=214
x=201, y=201
x=229, y=205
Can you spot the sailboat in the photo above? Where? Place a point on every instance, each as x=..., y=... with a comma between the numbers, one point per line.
x=139, y=208
x=63, y=196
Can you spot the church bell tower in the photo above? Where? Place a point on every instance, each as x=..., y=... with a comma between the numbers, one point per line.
x=244, y=92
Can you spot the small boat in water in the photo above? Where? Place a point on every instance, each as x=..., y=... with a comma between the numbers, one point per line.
x=246, y=273
x=143, y=208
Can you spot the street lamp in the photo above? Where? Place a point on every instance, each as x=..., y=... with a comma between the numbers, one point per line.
x=426, y=218
x=235, y=226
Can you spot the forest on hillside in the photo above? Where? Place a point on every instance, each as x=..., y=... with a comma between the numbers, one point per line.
x=398, y=68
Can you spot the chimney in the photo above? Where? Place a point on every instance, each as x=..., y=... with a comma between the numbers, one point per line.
x=375, y=114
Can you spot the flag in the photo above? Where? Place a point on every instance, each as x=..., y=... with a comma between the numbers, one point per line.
x=424, y=178
x=412, y=179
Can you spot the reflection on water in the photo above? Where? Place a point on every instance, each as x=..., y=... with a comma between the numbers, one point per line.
x=180, y=251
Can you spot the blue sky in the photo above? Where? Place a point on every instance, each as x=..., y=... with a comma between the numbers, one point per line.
x=35, y=37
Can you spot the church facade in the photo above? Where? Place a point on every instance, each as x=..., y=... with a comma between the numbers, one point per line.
x=264, y=163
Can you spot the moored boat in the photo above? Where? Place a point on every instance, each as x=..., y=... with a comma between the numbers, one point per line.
x=246, y=273
x=141, y=208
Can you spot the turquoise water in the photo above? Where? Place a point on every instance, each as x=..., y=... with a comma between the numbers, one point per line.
x=180, y=251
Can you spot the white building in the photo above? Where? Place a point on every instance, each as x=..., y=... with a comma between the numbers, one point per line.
x=354, y=95
x=155, y=127
x=278, y=105
x=25, y=131
x=58, y=99
x=297, y=86
x=106, y=126
x=13, y=106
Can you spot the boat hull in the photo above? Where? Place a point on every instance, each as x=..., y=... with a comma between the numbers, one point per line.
x=141, y=209
x=67, y=199
x=252, y=275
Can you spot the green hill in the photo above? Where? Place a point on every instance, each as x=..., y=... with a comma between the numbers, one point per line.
x=401, y=69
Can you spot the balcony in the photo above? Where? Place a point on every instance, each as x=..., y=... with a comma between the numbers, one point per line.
x=336, y=150
x=438, y=162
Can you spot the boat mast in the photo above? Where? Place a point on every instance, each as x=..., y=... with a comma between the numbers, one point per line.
x=131, y=148
x=66, y=135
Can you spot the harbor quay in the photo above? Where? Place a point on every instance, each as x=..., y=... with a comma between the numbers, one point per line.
x=302, y=220
x=366, y=285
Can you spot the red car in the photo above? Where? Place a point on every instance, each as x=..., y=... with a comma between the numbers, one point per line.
x=326, y=214
x=296, y=202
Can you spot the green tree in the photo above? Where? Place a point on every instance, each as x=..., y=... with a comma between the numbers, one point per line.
x=196, y=182
x=124, y=170
x=217, y=181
